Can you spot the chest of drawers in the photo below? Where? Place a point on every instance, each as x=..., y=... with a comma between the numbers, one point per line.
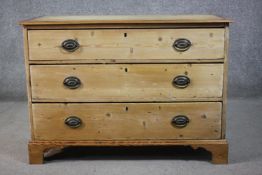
x=127, y=81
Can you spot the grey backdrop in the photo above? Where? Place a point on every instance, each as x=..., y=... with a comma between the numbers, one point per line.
x=245, y=58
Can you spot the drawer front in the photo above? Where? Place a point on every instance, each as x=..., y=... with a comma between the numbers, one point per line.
x=126, y=121
x=126, y=82
x=126, y=44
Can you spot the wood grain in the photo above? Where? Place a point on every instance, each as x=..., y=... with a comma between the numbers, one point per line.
x=126, y=121
x=218, y=148
x=126, y=82
x=138, y=19
x=225, y=75
x=28, y=84
x=119, y=61
x=126, y=26
x=126, y=44
x=127, y=59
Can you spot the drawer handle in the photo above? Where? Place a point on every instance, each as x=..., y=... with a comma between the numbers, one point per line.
x=182, y=44
x=180, y=121
x=70, y=45
x=73, y=122
x=72, y=82
x=181, y=81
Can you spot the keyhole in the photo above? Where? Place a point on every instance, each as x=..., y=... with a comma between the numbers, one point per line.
x=125, y=34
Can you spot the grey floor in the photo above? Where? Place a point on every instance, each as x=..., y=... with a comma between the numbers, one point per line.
x=244, y=133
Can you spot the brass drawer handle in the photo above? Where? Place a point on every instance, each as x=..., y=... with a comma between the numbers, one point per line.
x=182, y=44
x=70, y=45
x=180, y=121
x=73, y=122
x=72, y=82
x=181, y=81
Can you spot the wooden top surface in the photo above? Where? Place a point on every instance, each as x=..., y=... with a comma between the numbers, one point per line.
x=179, y=19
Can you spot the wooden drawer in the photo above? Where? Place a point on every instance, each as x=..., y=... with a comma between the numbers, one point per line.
x=126, y=44
x=127, y=121
x=126, y=82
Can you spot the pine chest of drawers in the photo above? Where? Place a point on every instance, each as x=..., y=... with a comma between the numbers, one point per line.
x=127, y=81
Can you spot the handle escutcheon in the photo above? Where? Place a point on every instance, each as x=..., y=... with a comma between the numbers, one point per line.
x=72, y=82
x=70, y=45
x=182, y=44
x=73, y=122
x=180, y=121
x=181, y=81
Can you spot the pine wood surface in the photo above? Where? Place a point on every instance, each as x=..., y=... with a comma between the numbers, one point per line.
x=128, y=82
x=218, y=148
x=225, y=83
x=126, y=44
x=127, y=59
x=114, y=121
x=162, y=19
